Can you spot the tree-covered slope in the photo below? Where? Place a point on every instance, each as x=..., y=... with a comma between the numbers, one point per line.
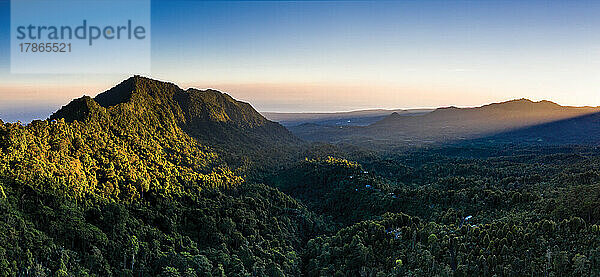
x=116, y=186
x=213, y=117
x=130, y=150
x=253, y=230
x=516, y=211
x=400, y=245
x=103, y=158
x=233, y=129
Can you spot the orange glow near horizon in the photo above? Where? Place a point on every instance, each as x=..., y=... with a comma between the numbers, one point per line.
x=285, y=97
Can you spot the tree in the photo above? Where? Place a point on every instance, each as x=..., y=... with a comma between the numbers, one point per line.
x=581, y=264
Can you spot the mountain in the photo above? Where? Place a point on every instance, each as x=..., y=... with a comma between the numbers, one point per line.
x=354, y=118
x=142, y=138
x=196, y=111
x=233, y=128
x=138, y=181
x=449, y=124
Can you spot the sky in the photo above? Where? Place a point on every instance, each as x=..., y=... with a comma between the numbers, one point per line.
x=325, y=56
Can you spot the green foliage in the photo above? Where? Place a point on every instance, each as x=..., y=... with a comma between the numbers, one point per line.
x=146, y=180
x=398, y=244
x=125, y=152
x=107, y=161
x=235, y=232
x=469, y=214
x=117, y=185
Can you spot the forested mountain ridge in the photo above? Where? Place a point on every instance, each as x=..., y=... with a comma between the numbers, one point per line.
x=117, y=186
x=124, y=152
x=233, y=129
x=492, y=118
x=186, y=105
x=584, y=129
x=193, y=110
x=141, y=136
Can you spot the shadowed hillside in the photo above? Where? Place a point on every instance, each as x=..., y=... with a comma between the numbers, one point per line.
x=194, y=110
x=583, y=129
x=447, y=124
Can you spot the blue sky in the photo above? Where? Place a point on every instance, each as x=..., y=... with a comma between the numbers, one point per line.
x=333, y=56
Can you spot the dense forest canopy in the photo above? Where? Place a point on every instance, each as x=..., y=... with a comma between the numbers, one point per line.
x=148, y=179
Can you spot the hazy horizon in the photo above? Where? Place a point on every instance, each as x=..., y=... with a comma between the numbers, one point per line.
x=41, y=111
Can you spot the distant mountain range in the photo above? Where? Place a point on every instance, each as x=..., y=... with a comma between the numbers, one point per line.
x=453, y=124
x=353, y=118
